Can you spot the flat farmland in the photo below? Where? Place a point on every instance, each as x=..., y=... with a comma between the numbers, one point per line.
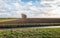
x=7, y=19
x=28, y=20
x=17, y=22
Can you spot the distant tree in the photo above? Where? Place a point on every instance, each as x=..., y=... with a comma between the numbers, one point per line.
x=24, y=16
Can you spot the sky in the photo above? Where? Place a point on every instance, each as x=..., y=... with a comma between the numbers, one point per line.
x=32, y=8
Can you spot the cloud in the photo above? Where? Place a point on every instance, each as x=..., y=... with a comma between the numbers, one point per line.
x=36, y=9
x=51, y=8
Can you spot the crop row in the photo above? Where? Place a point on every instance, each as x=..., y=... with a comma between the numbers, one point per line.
x=29, y=25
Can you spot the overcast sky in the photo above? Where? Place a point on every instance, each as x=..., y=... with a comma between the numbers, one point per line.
x=32, y=8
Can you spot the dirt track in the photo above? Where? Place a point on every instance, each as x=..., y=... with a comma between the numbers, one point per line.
x=33, y=20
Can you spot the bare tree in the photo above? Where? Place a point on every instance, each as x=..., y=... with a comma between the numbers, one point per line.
x=24, y=16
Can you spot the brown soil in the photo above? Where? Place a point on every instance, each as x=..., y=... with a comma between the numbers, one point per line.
x=33, y=20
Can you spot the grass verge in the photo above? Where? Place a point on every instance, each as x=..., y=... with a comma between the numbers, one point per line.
x=31, y=33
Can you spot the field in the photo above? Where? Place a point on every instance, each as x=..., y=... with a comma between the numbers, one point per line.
x=29, y=22
x=31, y=33
x=7, y=19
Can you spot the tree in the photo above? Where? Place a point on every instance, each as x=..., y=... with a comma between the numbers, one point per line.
x=24, y=16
